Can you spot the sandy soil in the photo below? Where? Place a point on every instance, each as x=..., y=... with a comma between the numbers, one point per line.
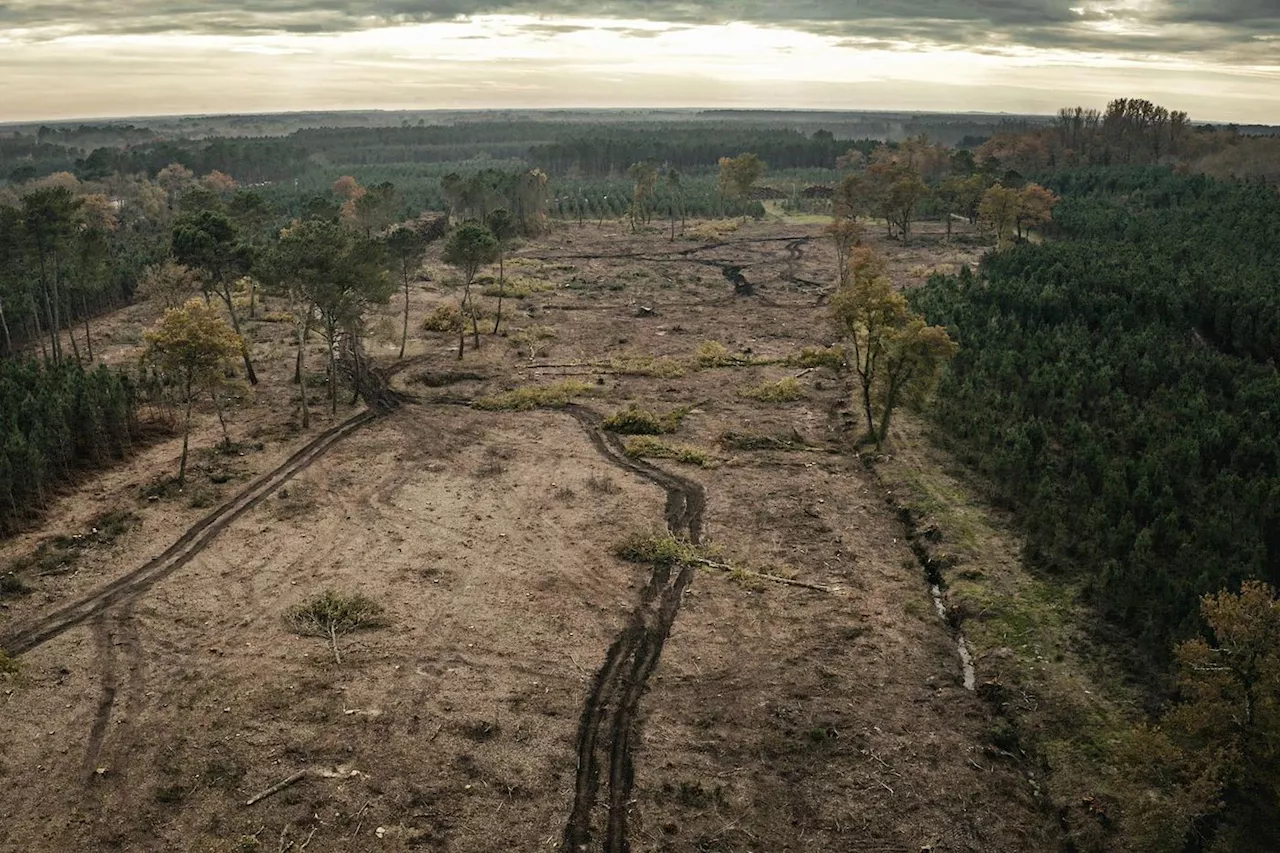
x=777, y=717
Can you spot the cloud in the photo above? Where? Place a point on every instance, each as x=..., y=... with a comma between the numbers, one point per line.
x=1229, y=31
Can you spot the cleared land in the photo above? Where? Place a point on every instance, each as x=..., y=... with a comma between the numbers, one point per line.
x=530, y=688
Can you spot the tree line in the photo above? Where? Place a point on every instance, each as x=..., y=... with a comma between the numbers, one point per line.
x=56, y=420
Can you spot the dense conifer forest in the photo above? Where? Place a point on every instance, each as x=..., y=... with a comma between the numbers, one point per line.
x=55, y=421
x=1118, y=383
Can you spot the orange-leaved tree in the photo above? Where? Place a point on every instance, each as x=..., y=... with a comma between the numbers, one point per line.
x=1210, y=769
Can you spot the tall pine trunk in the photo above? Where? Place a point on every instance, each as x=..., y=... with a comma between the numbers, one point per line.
x=186, y=435
x=404, y=334
x=502, y=287
x=57, y=308
x=88, y=338
x=217, y=405
x=4, y=325
x=235, y=324
x=302, y=385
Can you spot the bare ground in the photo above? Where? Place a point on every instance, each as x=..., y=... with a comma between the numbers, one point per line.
x=770, y=717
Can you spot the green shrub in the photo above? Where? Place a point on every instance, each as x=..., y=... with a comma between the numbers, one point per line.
x=8, y=665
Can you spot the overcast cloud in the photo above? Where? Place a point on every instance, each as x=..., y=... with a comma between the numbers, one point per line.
x=1189, y=48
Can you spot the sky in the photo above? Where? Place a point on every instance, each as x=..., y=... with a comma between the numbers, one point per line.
x=1217, y=59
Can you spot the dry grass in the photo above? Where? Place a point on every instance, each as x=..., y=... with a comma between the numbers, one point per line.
x=554, y=396
x=648, y=447
x=813, y=357
x=648, y=365
x=516, y=287
x=783, y=391
x=636, y=421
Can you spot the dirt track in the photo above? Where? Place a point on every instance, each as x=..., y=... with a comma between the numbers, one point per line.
x=609, y=718
x=192, y=542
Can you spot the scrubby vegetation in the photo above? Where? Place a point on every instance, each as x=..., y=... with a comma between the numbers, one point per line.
x=782, y=391
x=553, y=396
x=636, y=421
x=332, y=614
x=648, y=447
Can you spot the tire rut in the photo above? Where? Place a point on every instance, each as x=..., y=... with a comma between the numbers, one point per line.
x=609, y=724
x=190, y=544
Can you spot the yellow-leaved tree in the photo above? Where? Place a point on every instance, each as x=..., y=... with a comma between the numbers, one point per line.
x=897, y=357
x=998, y=212
x=194, y=347
x=1210, y=771
x=738, y=175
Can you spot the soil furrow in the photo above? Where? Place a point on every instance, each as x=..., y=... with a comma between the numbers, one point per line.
x=610, y=717
x=186, y=547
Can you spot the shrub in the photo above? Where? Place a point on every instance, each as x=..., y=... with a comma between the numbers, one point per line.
x=331, y=614
x=714, y=354
x=8, y=665
x=783, y=391
x=445, y=318
x=833, y=357
x=11, y=584
x=636, y=421
x=648, y=447
x=551, y=396
x=603, y=484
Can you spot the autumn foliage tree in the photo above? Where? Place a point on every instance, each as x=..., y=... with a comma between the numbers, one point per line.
x=169, y=283
x=897, y=357
x=738, y=175
x=645, y=176
x=998, y=212
x=1005, y=211
x=193, y=347
x=1211, y=768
